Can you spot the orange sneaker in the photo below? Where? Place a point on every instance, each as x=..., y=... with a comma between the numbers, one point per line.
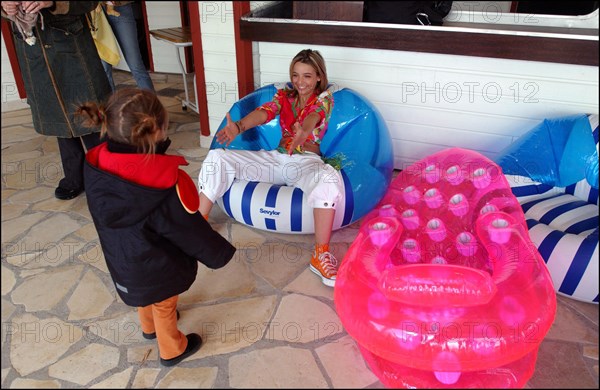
x=324, y=264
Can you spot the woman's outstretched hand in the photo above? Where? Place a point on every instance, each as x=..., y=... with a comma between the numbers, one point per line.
x=229, y=132
x=300, y=136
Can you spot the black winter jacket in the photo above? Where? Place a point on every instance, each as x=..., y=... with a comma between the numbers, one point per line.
x=150, y=242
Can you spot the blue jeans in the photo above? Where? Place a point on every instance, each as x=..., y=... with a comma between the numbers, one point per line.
x=125, y=29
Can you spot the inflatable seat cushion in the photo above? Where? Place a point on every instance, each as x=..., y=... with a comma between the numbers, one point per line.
x=565, y=213
x=571, y=259
x=525, y=189
x=583, y=190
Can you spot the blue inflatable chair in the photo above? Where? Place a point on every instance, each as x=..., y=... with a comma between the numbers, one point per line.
x=553, y=172
x=357, y=139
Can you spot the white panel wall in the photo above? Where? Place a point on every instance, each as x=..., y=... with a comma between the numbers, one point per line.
x=433, y=101
x=10, y=94
x=220, y=69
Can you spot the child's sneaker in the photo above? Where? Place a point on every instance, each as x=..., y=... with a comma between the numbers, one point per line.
x=324, y=264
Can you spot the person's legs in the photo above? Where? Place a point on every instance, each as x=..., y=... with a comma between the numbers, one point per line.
x=146, y=319
x=323, y=186
x=222, y=166
x=72, y=155
x=109, y=75
x=125, y=30
x=322, y=261
x=171, y=342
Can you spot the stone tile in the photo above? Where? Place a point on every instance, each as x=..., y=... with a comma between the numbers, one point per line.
x=77, y=205
x=37, y=343
x=193, y=153
x=338, y=356
x=140, y=354
x=301, y=319
x=228, y=327
x=116, y=381
x=8, y=280
x=11, y=161
x=145, y=378
x=189, y=378
x=86, y=364
x=244, y=237
x=90, y=289
x=590, y=352
x=13, y=131
x=551, y=372
x=279, y=367
x=45, y=290
x=87, y=232
x=93, y=255
x=186, y=139
x=276, y=262
x=7, y=310
x=307, y=283
x=19, y=259
x=16, y=113
x=122, y=328
x=209, y=285
x=570, y=326
x=33, y=144
x=5, y=371
x=31, y=196
x=44, y=233
x=33, y=172
x=12, y=211
x=20, y=383
x=15, y=228
x=588, y=310
x=54, y=255
x=6, y=193
x=50, y=146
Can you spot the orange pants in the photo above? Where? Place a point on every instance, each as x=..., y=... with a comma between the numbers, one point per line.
x=161, y=317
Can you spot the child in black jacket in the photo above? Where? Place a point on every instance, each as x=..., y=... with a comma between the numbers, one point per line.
x=145, y=211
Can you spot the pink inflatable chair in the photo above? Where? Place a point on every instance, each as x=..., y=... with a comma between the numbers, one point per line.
x=442, y=287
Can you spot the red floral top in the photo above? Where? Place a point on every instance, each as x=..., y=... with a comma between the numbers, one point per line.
x=285, y=104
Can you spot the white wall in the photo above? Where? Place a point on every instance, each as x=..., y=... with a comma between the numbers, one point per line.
x=433, y=101
x=220, y=69
x=10, y=94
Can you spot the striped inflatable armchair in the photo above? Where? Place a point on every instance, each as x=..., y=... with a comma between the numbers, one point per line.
x=553, y=172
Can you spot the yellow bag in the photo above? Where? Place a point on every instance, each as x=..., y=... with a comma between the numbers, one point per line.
x=104, y=38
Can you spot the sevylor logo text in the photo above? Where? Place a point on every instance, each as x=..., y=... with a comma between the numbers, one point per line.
x=272, y=213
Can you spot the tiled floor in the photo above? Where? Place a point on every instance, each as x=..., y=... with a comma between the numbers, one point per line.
x=266, y=320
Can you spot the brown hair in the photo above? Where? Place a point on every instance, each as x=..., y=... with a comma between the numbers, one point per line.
x=131, y=116
x=314, y=59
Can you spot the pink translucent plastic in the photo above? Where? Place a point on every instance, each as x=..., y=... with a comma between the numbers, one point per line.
x=443, y=288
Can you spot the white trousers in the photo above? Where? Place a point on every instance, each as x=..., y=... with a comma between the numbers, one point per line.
x=321, y=183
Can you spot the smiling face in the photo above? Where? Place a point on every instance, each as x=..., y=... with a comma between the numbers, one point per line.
x=304, y=79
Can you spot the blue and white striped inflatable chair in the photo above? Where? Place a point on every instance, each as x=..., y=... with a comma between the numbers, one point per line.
x=357, y=133
x=553, y=172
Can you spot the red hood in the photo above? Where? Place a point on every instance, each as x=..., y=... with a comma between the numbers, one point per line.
x=154, y=170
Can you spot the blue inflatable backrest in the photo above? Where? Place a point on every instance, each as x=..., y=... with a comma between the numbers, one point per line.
x=557, y=152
